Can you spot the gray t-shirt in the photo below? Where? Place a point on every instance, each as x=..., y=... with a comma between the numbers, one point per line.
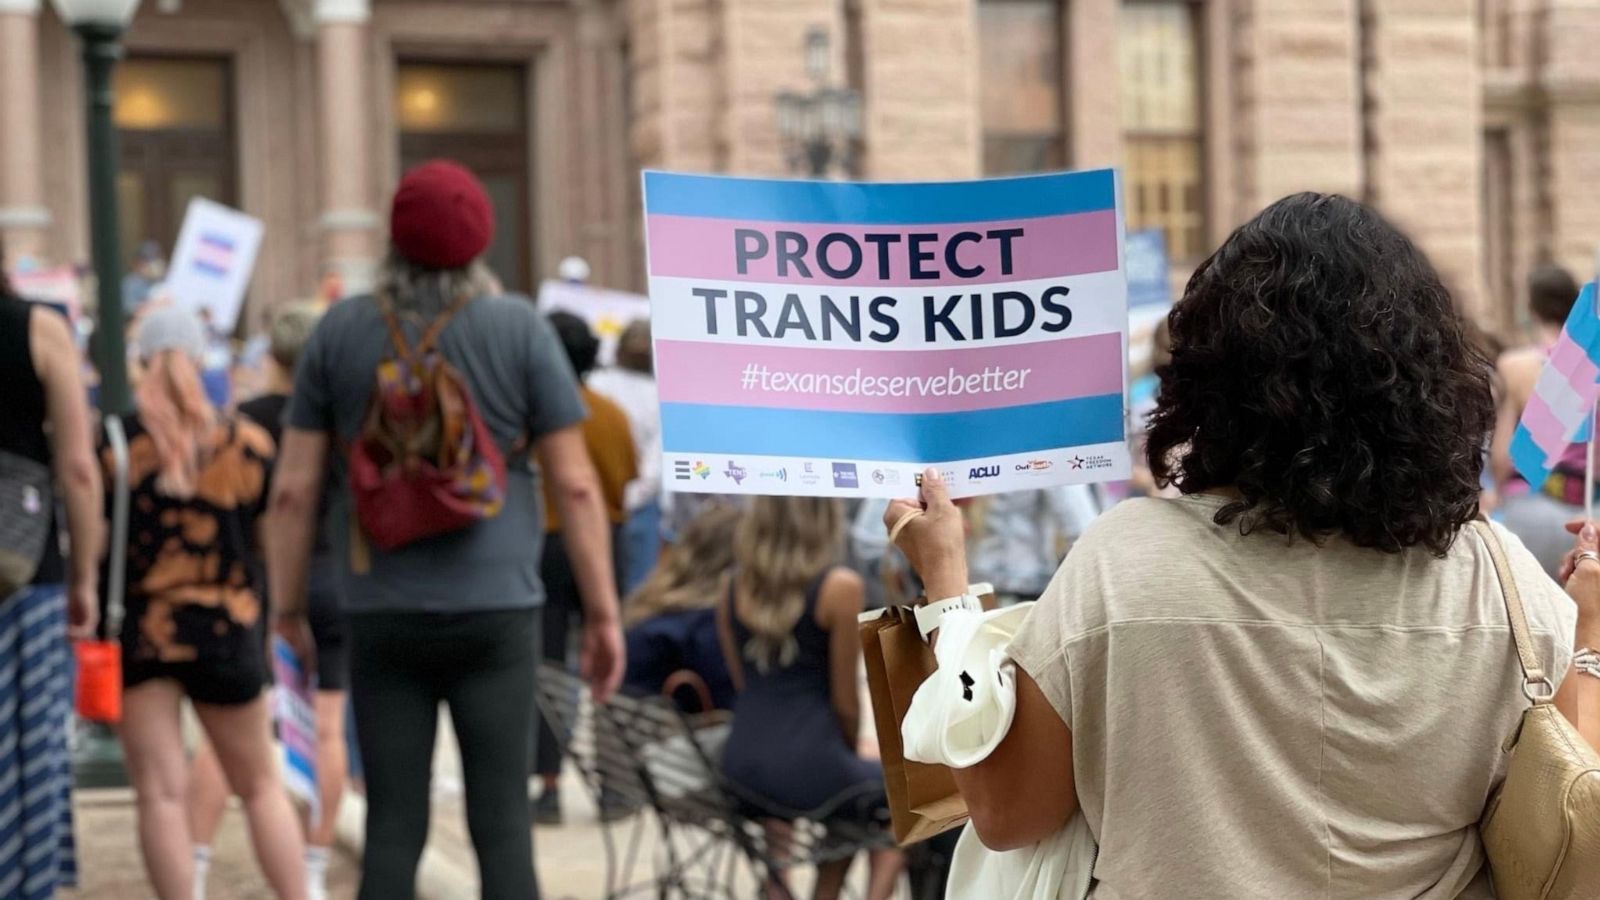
x=1258, y=719
x=524, y=388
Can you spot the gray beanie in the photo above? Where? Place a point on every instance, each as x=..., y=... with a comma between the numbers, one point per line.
x=171, y=328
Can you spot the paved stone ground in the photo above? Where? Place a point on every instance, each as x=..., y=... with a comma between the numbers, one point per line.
x=571, y=858
x=111, y=869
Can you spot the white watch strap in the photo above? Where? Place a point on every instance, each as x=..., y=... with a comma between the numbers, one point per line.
x=928, y=616
x=1585, y=660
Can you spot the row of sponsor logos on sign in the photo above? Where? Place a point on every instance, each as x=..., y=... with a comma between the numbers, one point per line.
x=849, y=475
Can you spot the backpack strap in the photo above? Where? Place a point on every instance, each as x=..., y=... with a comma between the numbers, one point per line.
x=430, y=337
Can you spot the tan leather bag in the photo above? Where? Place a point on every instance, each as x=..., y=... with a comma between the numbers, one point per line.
x=923, y=799
x=1542, y=827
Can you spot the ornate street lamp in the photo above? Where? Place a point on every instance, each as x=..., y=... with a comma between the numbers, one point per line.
x=820, y=129
x=100, y=23
x=97, y=760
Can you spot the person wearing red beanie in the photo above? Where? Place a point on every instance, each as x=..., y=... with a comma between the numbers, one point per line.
x=455, y=618
x=441, y=217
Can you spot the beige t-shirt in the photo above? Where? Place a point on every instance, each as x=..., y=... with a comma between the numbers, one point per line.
x=1254, y=717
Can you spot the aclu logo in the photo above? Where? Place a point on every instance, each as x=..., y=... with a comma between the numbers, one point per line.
x=978, y=472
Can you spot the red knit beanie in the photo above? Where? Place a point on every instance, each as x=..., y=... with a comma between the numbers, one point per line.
x=441, y=217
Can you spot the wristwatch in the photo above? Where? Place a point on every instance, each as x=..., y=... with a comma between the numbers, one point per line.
x=929, y=614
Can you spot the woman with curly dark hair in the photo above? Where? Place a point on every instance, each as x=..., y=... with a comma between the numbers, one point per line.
x=1293, y=680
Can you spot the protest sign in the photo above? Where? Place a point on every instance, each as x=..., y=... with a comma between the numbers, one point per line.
x=212, y=262
x=606, y=311
x=58, y=286
x=1149, y=278
x=297, y=726
x=834, y=339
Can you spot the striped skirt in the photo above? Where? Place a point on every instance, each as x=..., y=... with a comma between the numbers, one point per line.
x=36, y=672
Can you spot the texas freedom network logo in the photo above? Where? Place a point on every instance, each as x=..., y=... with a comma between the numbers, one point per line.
x=1094, y=461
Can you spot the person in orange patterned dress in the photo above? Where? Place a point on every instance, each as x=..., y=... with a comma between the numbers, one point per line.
x=193, y=627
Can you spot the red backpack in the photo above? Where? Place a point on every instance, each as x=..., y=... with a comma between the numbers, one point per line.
x=424, y=463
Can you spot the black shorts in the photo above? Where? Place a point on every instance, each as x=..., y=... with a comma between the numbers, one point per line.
x=329, y=629
x=231, y=682
x=226, y=664
x=331, y=633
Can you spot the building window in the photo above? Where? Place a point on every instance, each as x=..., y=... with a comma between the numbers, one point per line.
x=1024, y=108
x=476, y=114
x=174, y=118
x=1499, y=234
x=1161, y=118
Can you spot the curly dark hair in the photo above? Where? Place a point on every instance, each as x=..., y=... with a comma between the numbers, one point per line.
x=1320, y=369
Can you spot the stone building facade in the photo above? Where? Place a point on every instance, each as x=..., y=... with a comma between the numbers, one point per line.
x=1473, y=123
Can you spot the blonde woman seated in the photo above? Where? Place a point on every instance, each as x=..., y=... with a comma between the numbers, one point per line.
x=671, y=619
x=789, y=635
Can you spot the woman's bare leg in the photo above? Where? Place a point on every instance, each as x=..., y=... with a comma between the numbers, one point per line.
x=332, y=761
x=830, y=879
x=884, y=865
x=208, y=794
x=243, y=740
x=152, y=744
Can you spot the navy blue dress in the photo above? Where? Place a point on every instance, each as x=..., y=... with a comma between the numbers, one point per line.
x=669, y=642
x=786, y=745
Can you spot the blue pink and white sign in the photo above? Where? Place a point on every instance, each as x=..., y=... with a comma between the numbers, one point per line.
x=296, y=716
x=213, y=260
x=830, y=338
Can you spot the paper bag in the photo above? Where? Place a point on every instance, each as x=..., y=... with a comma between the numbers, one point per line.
x=923, y=799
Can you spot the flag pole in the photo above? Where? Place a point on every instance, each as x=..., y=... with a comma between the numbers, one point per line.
x=1588, y=469
x=1594, y=419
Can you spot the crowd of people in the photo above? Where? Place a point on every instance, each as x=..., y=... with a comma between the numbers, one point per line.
x=1298, y=558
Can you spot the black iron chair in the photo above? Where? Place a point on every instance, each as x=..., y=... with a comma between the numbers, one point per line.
x=647, y=753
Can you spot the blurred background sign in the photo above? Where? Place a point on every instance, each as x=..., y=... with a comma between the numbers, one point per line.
x=1148, y=284
x=606, y=311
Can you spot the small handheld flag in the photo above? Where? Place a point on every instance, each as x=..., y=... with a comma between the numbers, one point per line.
x=297, y=726
x=1559, y=412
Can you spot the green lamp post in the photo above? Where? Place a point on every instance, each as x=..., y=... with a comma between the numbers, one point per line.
x=97, y=761
x=100, y=24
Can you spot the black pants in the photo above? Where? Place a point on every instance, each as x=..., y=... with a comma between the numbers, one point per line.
x=403, y=665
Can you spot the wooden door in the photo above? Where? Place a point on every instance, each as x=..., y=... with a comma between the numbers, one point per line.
x=175, y=127
x=476, y=114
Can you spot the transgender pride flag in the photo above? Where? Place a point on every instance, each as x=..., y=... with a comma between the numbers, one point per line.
x=1563, y=399
x=213, y=254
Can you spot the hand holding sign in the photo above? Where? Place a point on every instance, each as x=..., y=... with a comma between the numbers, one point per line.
x=932, y=534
